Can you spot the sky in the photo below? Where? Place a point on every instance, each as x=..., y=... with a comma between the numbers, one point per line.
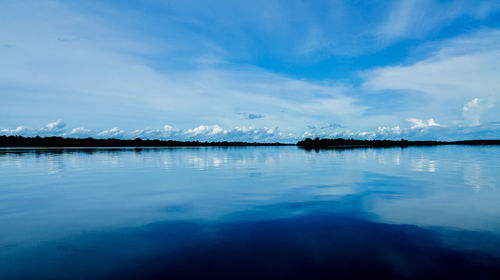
x=250, y=70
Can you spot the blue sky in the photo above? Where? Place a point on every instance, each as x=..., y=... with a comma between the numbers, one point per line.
x=250, y=70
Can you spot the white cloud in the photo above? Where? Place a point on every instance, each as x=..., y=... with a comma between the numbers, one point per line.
x=399, y=20
x=79, y=132
x=457, y=71
x=417, y=130
x=20, y=130
x=421, y=124
x=97, y=69
x=54, y=127
x=451, y=73
x=473, y=109
x=200, y=133
x=205, y=130
x=416, y=18
x=389, y=131
x=114, y=132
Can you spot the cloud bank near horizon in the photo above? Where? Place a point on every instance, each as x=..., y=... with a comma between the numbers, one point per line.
x=415, y=129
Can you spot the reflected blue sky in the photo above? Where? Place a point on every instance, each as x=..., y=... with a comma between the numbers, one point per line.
x=124, y=204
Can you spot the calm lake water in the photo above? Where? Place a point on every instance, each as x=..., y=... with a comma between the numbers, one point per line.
x=250, y=213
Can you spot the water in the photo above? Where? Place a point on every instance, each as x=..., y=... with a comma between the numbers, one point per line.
x=250, y=213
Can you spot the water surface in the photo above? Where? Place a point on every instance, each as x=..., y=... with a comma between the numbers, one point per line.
x=250, y=213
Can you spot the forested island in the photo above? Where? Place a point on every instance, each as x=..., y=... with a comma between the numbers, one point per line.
x=325, y=143
x=55, y=141
x=308, y=143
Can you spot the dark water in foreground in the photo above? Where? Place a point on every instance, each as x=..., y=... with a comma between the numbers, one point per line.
x=250, y=213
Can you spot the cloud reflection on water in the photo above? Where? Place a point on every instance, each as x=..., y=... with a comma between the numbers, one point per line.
x=94, y=191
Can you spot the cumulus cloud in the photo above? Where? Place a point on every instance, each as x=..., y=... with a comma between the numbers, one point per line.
x=204, y=130
x=473, y=110
x=20, y=130
x=200, y=133
x=79, y=132
x=416, y=129
x=389, y=132
x=455, y=71
x=114, y=132
x=217, y=133
x=421, y=124
x=54, y=127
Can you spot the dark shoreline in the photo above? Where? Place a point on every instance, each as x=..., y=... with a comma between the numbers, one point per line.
x=61, y=142
x=339, y=143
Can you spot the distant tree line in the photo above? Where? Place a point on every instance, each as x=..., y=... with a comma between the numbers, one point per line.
x=55, y=141
x=348, y=143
